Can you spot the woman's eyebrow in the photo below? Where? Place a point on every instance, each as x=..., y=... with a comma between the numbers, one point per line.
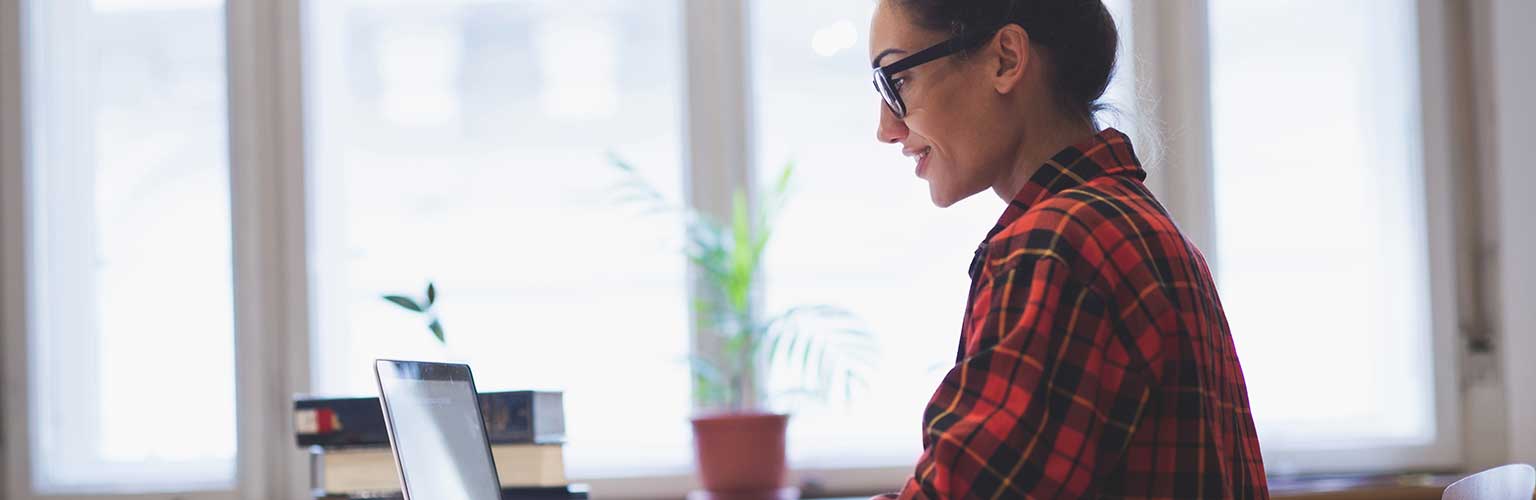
x=886, y=52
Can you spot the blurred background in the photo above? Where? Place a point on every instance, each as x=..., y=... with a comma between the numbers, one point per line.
x=201, y=202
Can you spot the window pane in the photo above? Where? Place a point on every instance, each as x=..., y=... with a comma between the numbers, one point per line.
x=131, y=265
x=1123, y=97
x=860, y=231
x=1321, y=242
x=468, y=143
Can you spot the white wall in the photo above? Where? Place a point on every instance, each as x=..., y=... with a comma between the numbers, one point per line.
x=1509, y=153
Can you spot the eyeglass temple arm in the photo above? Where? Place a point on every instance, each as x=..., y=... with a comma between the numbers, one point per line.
x=938, y=50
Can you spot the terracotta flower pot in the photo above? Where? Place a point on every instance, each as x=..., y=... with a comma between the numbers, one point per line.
x=740, y=455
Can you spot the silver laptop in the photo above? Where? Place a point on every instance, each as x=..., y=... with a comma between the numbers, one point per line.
x=436, y=432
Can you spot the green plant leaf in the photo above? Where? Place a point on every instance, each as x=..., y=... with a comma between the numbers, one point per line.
x=648, y=202
x=806, y=348
x=823, y=372
x=634, y=190
x=797, y=339
x=781, y=187
x=431, y=294
x=713, y=314
x=824, y=312
x=437, y=330
x=741, y=224
x=403, y=302
x=736, y=351
x=816, y=343
x=714, y=273
x=710, y=394
x=619, y=162
x=773, y=202
x=706, y=249
x=743, y=260
x=709, y=382
x=823, y=348
x=776, y=334
x=704, y=307
x=703, y=367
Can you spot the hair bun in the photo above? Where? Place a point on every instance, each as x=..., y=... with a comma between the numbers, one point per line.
x=1080, y=35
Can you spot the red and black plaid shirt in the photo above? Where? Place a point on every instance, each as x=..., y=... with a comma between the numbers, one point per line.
x=1095, y=359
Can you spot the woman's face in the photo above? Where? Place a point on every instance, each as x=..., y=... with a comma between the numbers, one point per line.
x=956, y=128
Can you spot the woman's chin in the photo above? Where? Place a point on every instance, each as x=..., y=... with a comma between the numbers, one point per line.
x=941, y=197
x=943, y=194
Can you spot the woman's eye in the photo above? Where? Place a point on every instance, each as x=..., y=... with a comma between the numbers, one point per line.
x=898, y=83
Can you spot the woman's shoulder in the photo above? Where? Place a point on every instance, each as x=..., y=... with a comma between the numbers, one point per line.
x=1084, y=226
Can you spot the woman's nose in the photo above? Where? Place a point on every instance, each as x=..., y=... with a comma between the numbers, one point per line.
x=891, y=129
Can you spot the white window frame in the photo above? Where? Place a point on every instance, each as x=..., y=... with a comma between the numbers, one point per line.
x=270, y=227
x=1499, y=32
x=267, y=207
x=12, y=236
x=1172, y=46
x=719, y=145
x=267, y=161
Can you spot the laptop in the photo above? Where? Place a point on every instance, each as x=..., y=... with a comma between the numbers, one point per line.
x=436, y=431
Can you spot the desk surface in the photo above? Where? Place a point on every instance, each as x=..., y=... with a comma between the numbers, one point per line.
x=1400, y=487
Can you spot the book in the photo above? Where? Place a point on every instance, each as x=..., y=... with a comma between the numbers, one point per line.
x=574, y=492
x=510, y=417
x=366, y=471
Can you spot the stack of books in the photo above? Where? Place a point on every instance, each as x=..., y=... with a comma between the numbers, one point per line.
x=350, y=457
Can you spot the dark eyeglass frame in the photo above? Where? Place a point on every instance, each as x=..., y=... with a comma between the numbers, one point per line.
x=885, y=75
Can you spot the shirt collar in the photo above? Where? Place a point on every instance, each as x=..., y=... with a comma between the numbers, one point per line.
x=1107, y=153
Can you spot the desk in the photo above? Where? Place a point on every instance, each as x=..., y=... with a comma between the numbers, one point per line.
x=1400, y=487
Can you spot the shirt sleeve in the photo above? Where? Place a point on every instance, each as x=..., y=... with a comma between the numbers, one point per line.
x=1044, y=397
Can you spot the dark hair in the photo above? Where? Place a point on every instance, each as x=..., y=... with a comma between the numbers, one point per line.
x=1080, y=36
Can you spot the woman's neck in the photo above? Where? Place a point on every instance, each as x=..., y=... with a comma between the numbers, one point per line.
x=1039, y=144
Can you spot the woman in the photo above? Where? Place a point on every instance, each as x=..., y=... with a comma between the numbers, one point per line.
x=1095, y=359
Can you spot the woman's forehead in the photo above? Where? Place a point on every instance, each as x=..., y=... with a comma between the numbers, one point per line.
x=890, y=30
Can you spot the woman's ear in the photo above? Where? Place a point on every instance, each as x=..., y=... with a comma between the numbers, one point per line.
x=1010, y=47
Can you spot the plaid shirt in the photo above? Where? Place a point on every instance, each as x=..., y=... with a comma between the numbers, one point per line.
x=1095, y=359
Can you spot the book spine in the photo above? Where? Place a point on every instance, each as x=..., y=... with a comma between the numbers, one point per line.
x=513, y=417
x=552, y=493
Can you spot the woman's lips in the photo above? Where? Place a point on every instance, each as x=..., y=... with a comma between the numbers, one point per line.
x=922, y=162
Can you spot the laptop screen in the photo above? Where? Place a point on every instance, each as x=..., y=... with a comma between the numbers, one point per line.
x=436, y=431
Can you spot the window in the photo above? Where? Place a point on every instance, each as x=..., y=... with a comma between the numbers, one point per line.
x=1124, y=96
x=130, y=274
x=1319, y=178
x=859, y=231
x=468, y=143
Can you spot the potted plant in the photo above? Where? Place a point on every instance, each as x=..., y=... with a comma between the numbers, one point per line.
x=739, y=439
x=425, y=307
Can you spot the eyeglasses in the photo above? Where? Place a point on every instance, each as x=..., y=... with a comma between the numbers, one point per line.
x=889, y=87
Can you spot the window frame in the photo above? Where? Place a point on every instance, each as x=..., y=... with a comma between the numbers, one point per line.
x=65, y=45
x=266, y=208
x=267, y=162
x=720, y=127
x=13, y=467
x=270, y=219
x=1177, y=70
